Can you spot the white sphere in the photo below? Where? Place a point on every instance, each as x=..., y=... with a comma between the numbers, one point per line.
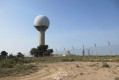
x=41, y=20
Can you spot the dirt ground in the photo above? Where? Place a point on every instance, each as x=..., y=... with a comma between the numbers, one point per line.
x=73, y=71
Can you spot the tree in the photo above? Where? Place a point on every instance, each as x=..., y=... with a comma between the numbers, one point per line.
x=0, y=57
x=34, y=52
x=49, y=52
x=3, y=54
x=41, y=51
x=20, y=55
x=11, y=56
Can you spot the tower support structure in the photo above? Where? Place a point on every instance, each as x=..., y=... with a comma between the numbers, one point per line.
x=42, y=37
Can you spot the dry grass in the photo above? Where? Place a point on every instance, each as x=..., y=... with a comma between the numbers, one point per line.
x=20, y=67
x=13, y=67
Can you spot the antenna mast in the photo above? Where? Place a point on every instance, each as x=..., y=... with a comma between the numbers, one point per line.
x=110, y=49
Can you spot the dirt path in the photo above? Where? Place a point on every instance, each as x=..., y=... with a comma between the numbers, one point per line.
x=47, y=73
x=73, y=71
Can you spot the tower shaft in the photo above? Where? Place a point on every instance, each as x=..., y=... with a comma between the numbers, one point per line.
x=41, y=37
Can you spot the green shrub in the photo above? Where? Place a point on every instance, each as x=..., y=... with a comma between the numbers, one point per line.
x=10, y=63
x=77, y=66
x=105, y=65
x=6, y=64
x=72, y=59
x=18, y=70
x=65, y=60
x=16, y=66
x=117, y=78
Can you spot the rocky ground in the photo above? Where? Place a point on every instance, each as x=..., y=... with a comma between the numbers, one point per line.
x=73, y=71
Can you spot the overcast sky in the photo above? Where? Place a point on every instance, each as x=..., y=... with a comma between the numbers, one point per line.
x=72, y=23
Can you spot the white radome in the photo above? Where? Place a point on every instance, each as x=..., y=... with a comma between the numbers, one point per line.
x=41, y=20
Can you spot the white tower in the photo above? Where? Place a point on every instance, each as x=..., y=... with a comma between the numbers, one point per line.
x=41, y=23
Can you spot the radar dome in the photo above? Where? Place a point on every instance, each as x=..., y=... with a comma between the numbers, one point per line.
x=42, y=21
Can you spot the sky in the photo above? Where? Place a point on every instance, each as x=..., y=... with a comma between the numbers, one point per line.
x=72, y=23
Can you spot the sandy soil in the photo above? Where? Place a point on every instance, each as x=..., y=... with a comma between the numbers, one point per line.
x=73, y=71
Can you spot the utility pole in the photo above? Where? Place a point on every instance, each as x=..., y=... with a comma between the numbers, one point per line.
x=88, y=50
x=68, y=52
x=65, y=51
x=83, y=51
x=73, y=49
x=92, y=52
x=110, y=49
x=96, y=50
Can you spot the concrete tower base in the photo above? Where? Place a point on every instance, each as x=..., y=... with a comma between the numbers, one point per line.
x=41, y=37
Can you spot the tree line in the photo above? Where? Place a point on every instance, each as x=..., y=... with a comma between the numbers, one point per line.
x=4, y=55
x=40, y=51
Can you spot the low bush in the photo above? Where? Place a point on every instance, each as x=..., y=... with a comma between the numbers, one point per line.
x=77, y=66
x=10, y=63
x=16, y=66
x=64, y=59
x=105, y=65
x=18, y=70
x=117, y=78
x=72, y=59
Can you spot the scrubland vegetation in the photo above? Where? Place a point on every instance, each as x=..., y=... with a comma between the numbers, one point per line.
x=19, y=65
x=24, y=66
